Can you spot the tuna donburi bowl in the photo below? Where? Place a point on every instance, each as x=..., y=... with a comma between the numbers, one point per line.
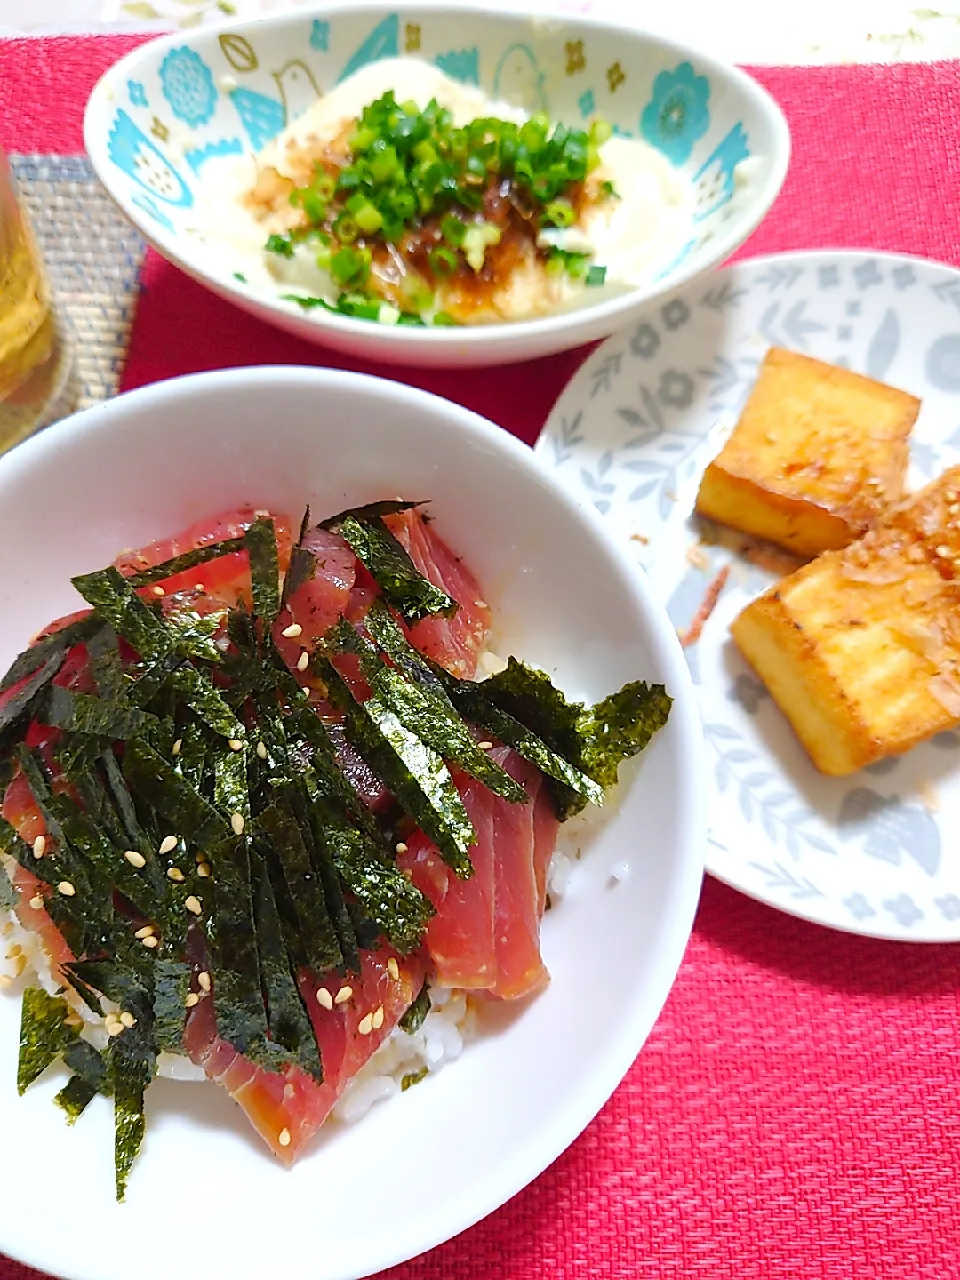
x=311, y=805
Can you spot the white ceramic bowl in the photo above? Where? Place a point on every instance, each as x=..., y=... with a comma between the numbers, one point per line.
x=206, y=1199
x=157, y=118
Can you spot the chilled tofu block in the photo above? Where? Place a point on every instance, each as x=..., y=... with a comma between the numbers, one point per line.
x=861, y=648
x=817, y=456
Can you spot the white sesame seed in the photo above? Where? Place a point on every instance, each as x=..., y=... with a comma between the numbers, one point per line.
x=168, y=844
x=305, y=690
x=236, y=822
x=175, y=874
x=128, y=1019
x=343, y=995
x=481, y=604
x=324, y=998
x=36, y=902
x=235, y=744
x=393, y=969
x=39, y=846
x=115, y=1029
x=158, y=592
x=484, y=746
x=203, y=870
x=204, y=981
x=401, y=847
x=66, y=888
x=303, y=661
x=6, y=980
x=192, y=999
x=147, y=931
x=198, y=586
x=261, y=751
x=151, y=943
x=283, y=1137
x=376, y=1018
x=292, y=631
x=175, y=749
x=135, y=859
x=365, y=1025
x=193, y=905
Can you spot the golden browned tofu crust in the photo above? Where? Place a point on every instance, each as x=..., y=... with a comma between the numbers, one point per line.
x=817, y=456
x=861, y=648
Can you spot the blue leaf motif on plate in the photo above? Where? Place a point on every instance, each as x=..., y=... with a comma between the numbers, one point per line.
x=151, y=207
x=138, y=94
x=793, y=324
x=678, y=113
x=779, y=877
x=133, y=153
x=587, y=103
x=382, y=42
x=570, y=437
x=460, y=64
x=722, y=299
x=891, y=828
x=948, y=291
x=188, y=86
x=320, y=35
x=942, y=363
x=884, y=346
x=197, y=157
x=714, y=179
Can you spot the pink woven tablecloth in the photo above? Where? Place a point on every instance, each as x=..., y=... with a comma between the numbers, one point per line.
x=796, y=1111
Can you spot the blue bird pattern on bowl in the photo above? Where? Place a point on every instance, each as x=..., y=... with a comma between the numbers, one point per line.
x=219, y=95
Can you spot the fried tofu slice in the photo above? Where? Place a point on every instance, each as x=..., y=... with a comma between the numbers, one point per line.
x=817, y=456
x=861, y=648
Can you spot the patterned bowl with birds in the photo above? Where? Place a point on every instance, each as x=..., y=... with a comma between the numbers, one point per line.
x=165, y=112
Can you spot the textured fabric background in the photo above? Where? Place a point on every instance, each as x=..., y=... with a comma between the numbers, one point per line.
x=795, y=1112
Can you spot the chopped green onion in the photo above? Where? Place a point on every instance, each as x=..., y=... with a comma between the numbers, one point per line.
x=558, y=213
x=349, y=265
x=442, y=261
x=453, y=230
x=282, y=245
x=595, y=276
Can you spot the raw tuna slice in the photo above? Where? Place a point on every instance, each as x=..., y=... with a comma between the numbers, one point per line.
x=486, y=933
x=454, y=642
x=317, y=604
x=227, y=578
x=288, y=1108
x=460, y=936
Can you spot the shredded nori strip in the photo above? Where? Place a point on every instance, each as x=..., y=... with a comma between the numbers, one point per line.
x=56, y=644
x=84, y=713
x=133, y=1063
x=321, y=947
x=19, y=706
x=74, y=1098
x=187, y=560
x=412, y=1020
x=8, y=894
x=157, y=781
x=261, y=543
x=415, y=774
x=199, y=694
x=240, y=1012
x=91, y=1076
x=412, y=1078
x=287, y=1018
x=371, y=511
x=115, y=600
x=44, y=1035
x=395, y=906
x=194, y=633
x=620, y=726
x=403, y=585
x=171, y=982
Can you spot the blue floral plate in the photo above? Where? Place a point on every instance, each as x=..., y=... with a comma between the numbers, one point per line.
x=162, y=114
x=633, y=433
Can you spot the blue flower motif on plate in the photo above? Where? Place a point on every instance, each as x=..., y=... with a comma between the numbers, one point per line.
x=678, y=113
x=320, y=36
x=859, y=907
x=676, y=389
x=645, y=342
x=138, y=94
x=904, y=910
x=188, y=86
x=675, y=314
x=949, y=906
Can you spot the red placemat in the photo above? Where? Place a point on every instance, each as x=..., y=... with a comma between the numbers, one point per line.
x=796, y=1111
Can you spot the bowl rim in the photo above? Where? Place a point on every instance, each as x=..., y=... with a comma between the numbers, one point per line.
x=505, y=1178
x=603, y=317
